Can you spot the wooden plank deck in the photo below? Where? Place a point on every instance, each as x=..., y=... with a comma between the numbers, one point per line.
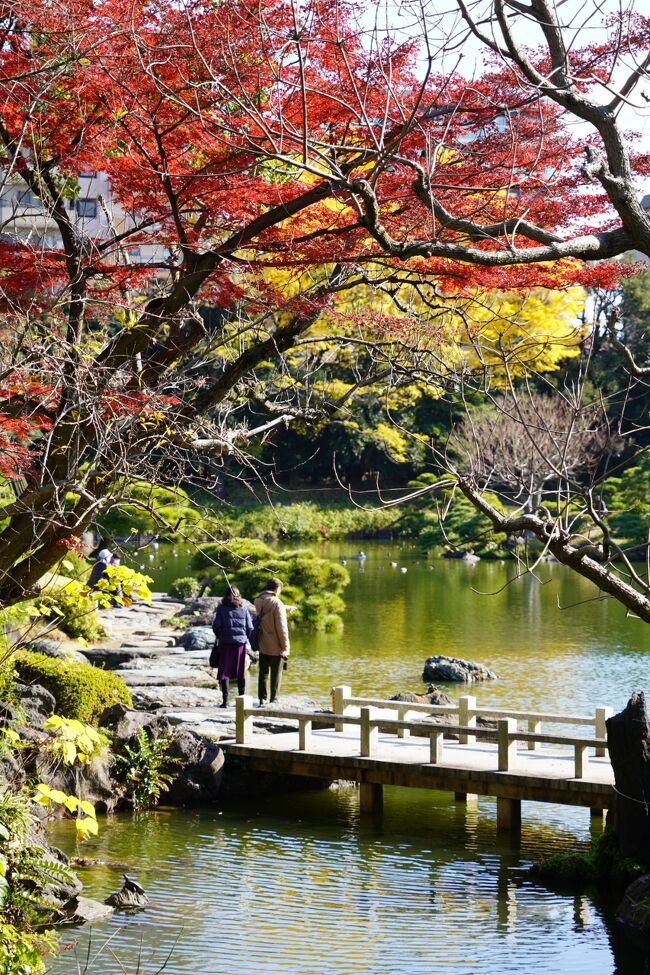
x=369, y=745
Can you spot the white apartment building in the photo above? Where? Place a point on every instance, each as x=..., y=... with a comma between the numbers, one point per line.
x=23, y=217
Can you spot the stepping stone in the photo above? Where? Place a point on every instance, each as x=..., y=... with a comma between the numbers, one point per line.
x=180, y=698
x=112, y=657
x=180, y=676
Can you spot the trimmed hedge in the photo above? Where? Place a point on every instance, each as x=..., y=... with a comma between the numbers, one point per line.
x=81, y=690
x=185, y=587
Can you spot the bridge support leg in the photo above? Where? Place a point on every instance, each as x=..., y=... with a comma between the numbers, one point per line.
x=508, y=814
x=469, y=798
x=598, y=815
x=371, y=798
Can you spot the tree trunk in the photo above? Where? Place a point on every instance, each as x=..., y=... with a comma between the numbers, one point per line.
x=629, y=751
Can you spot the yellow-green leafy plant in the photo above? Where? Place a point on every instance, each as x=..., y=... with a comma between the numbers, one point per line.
x=85, y=818
x=73, y=741
x=122, y=585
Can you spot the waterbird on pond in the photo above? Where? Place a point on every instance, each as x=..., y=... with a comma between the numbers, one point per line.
x=342, y=560
x=403, y=569
x=393, y=565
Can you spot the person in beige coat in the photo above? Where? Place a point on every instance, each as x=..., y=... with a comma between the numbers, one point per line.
x=272, y=639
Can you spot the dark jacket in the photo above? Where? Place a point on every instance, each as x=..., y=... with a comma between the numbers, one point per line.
x=98, y=572
x=232, y=624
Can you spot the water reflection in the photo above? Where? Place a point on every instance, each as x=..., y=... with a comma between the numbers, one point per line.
x=305, y=885
x=546, y=658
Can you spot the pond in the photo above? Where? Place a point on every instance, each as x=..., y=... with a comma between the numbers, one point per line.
x=551, y=641
x=302, y=884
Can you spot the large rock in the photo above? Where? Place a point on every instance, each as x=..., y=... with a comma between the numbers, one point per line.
x=634, y=909
x=95, y=783
x=201, y=610
x=12, y=774
x=52, y=648
x=197, y=638
x=198, y=770
x=36, y=702
x=441, y=668
x=628, y=741
x=125, y=723
x=86, y=910
x=433, y=696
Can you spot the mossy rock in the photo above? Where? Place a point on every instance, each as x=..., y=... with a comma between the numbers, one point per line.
x=81, y=691
x=566, y=869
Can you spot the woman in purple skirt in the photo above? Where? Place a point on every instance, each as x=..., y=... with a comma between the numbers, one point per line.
x=232, y=627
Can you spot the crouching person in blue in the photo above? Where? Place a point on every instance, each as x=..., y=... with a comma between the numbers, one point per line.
x=232, y=627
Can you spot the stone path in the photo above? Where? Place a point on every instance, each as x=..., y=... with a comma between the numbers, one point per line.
x=163, y=676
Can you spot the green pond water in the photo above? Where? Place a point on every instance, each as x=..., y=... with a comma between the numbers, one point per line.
x=302, y=884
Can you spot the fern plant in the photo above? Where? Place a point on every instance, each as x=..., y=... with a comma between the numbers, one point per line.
x=141, y=768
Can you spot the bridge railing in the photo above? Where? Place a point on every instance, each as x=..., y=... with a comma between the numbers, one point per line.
x=370, y=720
x=467, y=710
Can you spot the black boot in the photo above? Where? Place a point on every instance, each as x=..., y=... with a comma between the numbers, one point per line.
x=224, y=691
x=241, y=685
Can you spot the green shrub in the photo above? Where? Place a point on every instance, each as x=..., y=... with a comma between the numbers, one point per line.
x=603, y=864
x=575, y=869
x=312, y=584
x=73, y=610
x=609, y=863
x=184, y=587
x=21, y=953
x=306, y=521
x=81, y=691
x=232, y=553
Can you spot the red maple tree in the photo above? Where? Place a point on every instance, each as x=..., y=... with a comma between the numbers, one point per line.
x=259, y=159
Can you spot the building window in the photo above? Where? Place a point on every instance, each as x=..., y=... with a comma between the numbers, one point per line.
x=87, y=207
x=25, y=198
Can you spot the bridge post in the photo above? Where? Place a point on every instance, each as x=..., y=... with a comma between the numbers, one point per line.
x=340, y=695
x=304, y=734
x=371, y=798
x=435, y=747
x=243, y=721
x=369, y=734
x=508, y=812
x=580, y=761
x=602, y=714
x=466, y=705
x=401, y=714
x=534, y=728
x=507, y=745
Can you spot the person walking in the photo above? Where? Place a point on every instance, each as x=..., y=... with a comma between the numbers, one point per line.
x=98, y=570
x=232, y=626
x=272, y=639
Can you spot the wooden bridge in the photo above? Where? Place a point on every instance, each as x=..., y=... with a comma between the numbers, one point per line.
x=376, y=743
